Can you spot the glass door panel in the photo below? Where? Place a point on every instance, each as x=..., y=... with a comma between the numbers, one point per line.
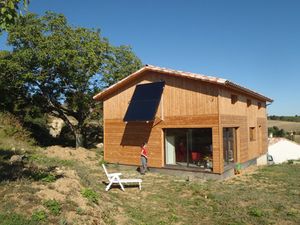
x=191, y=147
x=170, y=150
x=229, y=145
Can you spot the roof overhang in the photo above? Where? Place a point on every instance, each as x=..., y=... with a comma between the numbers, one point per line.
x=219, y=81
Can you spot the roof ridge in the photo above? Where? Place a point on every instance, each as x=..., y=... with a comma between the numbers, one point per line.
x=195, y=76
x=223, y=80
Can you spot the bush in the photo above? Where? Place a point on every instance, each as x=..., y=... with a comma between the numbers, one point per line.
x=276, y=131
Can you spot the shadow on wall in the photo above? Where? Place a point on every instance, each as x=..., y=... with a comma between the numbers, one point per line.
x=136, y=133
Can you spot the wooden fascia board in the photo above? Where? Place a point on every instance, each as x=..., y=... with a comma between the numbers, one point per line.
x=247, y=91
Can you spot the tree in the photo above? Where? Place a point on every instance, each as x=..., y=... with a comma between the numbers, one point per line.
x=9, y=12
x=61, y=66
x=121, y=62
x=276, y=131
x=10, y=87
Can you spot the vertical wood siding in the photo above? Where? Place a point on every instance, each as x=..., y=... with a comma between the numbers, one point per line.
x=185, y=104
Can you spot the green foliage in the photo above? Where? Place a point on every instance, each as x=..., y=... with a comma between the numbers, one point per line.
x=9, y=12
x=276, y=131
x=91, y=195
x=53, y=206
x=9, y=93
x=39, y=216
x=121, y=63
x=59, y=67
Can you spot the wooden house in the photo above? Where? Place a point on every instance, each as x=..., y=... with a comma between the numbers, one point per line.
x=190, y=121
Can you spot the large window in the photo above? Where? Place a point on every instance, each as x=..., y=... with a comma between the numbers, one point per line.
x=189, y=148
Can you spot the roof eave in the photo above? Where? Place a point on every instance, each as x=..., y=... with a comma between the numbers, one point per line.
x=247, y=91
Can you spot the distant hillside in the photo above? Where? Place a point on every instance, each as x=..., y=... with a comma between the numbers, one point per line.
x=287, y=126
x=295, y=118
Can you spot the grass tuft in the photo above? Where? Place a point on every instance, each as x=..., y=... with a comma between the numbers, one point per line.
x=91, y=195
x=53, y=206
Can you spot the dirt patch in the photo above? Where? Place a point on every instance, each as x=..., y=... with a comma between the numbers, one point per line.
x=66, y=153
x=61, y=188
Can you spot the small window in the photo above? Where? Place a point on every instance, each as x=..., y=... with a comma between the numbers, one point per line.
x=249, y=102
x=252, y=134
x=234, y=99
x=259, y=105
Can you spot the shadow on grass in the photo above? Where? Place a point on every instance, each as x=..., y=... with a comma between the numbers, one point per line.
x=117, y=186
x=18, y=170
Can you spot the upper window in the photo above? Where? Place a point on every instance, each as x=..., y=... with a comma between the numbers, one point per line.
x=259, y=105
x=252, y=134
x=234, y=99
x=249, y=102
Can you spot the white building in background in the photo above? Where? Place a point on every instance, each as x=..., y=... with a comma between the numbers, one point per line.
x=283, y=150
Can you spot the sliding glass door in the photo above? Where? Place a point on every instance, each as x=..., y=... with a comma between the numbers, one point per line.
x=189, y=147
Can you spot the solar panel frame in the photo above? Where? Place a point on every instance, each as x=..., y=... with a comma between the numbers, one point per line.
x=144, y=102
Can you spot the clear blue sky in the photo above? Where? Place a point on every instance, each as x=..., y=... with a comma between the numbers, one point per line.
x=255, y=43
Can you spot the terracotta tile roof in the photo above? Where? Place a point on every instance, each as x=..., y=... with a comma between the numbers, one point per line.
x=179, y=73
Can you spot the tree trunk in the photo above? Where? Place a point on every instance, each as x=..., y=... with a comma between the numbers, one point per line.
x=79, y=138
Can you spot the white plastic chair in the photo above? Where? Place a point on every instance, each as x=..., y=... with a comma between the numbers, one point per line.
x=114, y=178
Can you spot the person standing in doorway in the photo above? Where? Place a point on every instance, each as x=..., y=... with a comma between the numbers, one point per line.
x=144, y=158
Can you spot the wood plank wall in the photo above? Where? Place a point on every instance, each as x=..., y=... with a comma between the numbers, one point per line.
x=243, y=116
x=185, y=104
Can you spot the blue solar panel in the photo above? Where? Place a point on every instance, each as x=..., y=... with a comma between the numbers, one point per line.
x=144, y=102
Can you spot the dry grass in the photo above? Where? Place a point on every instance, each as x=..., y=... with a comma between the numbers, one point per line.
x=270, y=195
x=297, y=138
x=287, y=126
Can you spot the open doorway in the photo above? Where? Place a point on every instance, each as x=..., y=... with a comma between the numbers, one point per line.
x=189, y=147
